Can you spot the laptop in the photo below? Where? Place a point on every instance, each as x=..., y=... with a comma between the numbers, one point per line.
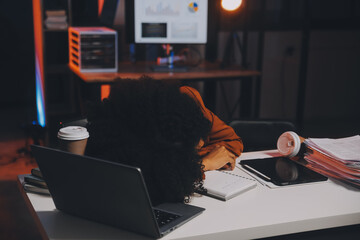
x=107, y=192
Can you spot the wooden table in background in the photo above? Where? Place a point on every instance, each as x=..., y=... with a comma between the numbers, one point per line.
x=209, y=73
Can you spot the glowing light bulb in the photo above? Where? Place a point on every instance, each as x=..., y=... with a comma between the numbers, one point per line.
x=230, y=5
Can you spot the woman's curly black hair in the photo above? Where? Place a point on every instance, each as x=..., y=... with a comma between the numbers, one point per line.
x=150, y=124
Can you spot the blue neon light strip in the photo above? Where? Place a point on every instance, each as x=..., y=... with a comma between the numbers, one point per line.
x=40, y=101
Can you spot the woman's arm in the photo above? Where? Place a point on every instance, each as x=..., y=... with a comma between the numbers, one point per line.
x=220, y=135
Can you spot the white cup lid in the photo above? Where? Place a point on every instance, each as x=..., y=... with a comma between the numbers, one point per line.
x=72, y=133
x=288, y=144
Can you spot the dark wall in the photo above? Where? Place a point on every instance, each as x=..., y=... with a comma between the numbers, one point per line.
x=17, y=74
x=17, y=53
x=307, y=52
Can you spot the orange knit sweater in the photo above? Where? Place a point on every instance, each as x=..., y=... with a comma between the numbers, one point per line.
x=220, y=134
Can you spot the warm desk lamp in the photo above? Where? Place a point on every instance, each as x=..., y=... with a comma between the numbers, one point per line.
x=230, y=5
x=232, y=8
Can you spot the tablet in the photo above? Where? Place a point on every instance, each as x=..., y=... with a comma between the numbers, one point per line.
x=281, y=171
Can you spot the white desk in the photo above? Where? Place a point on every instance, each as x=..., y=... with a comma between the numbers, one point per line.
x=260, y=212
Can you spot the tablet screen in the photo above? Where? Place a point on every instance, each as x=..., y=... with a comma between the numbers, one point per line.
x=281, y=171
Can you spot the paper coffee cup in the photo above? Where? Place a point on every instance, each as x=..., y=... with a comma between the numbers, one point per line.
x=289, y=144
x=73, y=139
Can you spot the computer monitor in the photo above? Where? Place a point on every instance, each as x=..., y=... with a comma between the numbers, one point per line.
x=170, y=21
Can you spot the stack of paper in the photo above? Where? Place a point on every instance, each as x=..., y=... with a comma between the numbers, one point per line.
x=337, y=158
x=34, y=183
x=56, y=19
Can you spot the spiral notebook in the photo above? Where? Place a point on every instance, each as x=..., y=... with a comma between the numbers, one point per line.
x=225, y=185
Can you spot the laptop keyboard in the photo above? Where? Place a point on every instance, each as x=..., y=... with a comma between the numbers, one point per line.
x=164, y=218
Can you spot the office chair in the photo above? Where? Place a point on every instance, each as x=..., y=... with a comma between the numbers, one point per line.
x=260, y=134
